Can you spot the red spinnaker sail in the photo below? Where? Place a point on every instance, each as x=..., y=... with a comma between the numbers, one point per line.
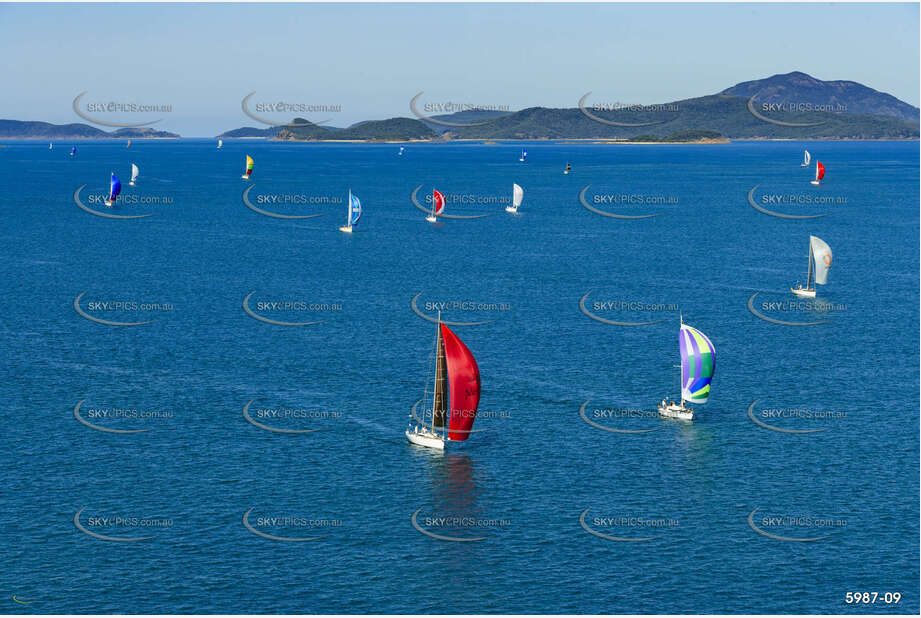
x=438, y=199
x=464, y=383
x=819, y=171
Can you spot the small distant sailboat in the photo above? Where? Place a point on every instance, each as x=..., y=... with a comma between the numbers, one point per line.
x=819, y=173
x=73, y=151
x=524, y=156
x=220, y=143
x=568, y=168
x=456, y=393
x=806, y=159
x=50, y=146
x=820, y=257
x=438, y=206
x=134, y=174
x=517, y=197
x=354, y=213
x=698, y=362
x=115, y=187
x=128, y=145
x=249, y=168
x=401, y=152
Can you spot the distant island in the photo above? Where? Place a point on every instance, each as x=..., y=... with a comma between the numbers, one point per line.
x=25, y=129
x=789, y=106
x=778, y=107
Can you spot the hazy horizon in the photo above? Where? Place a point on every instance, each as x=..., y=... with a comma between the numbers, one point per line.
x=369, y=60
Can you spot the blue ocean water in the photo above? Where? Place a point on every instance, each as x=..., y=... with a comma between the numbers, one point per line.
x=522, y=483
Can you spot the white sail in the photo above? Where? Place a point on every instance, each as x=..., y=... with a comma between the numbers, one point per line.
x=806, y=158
x=134, y=173
x=220, y=143
x=517, y=195
x=821, y=258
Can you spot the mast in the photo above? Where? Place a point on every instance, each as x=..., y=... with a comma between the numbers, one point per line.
x=348, y=214
x=435, y=381
x=438, y=397
x=809, y=263
x=680, y=385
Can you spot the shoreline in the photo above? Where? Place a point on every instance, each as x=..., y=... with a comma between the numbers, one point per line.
x=483, y=141
x=90, y=139
x=581, y=141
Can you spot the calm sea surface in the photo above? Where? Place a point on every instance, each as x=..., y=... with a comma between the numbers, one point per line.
x=721, y=515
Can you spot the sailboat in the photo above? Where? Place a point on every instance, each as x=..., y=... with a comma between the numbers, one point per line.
x=73, y=150
x=115, y=187
x=249, y=168
x=819, y=173
x=524, y=156
x=820, y=257
x=220, y=143
x=456, y=393
x=438, y=206
x=698, y=362
x=354, y=213
x=128, y=145
x=134, y=174
x=401, y=151
x=806, y=159
x=50, y=146
x=517, y=196
x=568, y=168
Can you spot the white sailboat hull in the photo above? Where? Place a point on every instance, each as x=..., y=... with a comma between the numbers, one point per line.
x=676, y=411
x=431, y=219
x=345, y=228
x=815, y=182
x=511, y=209
x=803, y=292
x=244, y=177
x=426, y=438
x=131, y=183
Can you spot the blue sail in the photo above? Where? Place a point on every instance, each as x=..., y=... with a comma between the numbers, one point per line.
x=115, y=187
x=354, y=209
x=73, y=151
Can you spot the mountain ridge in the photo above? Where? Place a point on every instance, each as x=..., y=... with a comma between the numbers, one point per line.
x=791, y=105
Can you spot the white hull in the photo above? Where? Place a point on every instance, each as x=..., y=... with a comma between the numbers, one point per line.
x=804, y=165
x=345, y=228
x=804, y=293
x=131, y=184
x=431, y=219
x=244, y=177
x=108, y=203
x=511, y=209
x=426, y=438
x=676, y=411
x=565, y=171
x=815, y=182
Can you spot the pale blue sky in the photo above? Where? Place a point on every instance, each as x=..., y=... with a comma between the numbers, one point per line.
x=372, y=59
